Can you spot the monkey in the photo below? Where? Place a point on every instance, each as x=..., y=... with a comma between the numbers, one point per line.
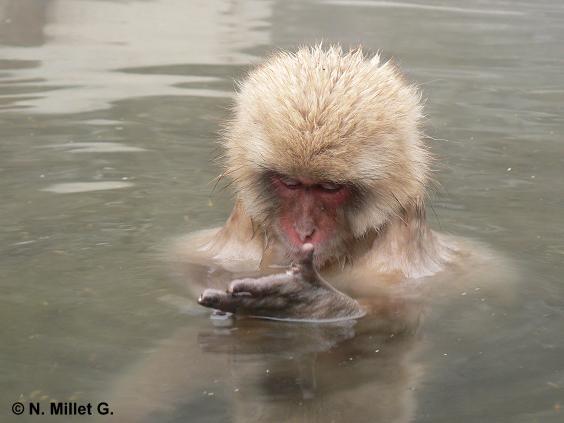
x=326, y=156
x=325, y=151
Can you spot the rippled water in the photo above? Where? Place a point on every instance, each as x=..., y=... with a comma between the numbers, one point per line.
x=108, y=125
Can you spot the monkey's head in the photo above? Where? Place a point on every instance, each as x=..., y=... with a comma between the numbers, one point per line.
x=324, y=147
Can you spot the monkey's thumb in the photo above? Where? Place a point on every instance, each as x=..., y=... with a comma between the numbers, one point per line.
x=306, y=259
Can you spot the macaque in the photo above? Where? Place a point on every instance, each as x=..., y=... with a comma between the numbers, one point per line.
x=330, y=171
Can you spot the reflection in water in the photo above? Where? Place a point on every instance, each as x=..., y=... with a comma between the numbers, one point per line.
x=71, y=187
x=22, y=22
x=85, y=302
x=319, y=373
x=419, y=6
x=257, y=371
x=105, y=38
x=97, y=147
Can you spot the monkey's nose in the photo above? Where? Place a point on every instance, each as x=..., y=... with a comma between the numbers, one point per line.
x=305, y=231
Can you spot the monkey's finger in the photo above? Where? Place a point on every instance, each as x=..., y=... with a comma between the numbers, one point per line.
x=219, y=300
x=306, y=259
x=260, y=287
x=242, y=304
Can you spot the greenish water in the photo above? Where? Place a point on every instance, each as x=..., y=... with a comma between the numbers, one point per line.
x=108, y=122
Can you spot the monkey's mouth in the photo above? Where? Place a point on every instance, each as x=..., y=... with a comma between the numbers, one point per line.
x=298, y=241
x=323, y=247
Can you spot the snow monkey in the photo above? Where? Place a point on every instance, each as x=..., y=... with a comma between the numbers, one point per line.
x=326, y=155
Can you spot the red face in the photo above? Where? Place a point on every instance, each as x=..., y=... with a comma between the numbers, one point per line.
x=310, y=211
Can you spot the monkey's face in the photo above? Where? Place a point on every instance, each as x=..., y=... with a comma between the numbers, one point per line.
x=304, y=121
x=310, y=211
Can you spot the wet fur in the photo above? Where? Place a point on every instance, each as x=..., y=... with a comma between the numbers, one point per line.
x=336, y=116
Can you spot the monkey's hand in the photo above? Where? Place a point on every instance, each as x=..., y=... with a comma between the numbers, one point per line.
x=299, y=294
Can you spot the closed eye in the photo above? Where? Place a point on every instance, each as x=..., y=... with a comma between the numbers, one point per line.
x=330, y=187
x=290, y=182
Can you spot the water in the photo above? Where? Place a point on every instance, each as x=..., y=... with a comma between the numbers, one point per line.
x=110, y=111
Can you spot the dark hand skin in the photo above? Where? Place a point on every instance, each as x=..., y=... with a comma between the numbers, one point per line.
x=299, y=294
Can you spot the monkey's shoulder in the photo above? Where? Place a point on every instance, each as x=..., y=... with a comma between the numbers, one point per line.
x=453, y=265
x=476, y=269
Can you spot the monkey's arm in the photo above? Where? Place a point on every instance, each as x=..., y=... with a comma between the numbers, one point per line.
x=299, y=294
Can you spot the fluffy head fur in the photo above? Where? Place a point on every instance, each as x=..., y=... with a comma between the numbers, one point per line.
x=332, y=116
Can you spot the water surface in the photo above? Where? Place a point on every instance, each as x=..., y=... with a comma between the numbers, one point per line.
x=110, y=112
